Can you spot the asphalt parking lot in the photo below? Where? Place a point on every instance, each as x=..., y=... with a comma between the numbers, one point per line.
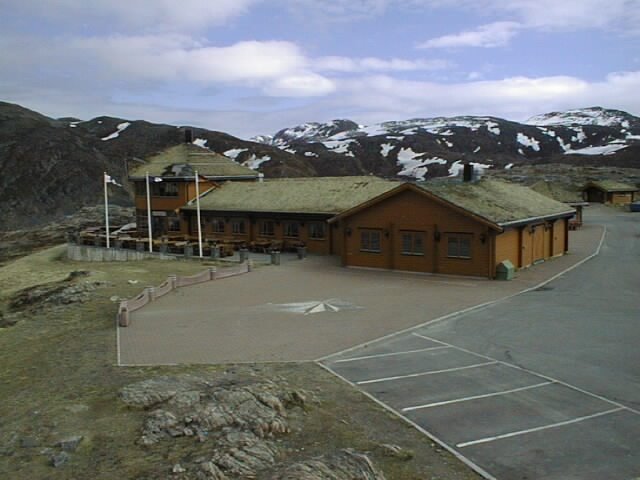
x=542, y=385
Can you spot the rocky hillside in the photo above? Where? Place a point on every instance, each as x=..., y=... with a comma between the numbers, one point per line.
x=425, y=147
x=52, y=167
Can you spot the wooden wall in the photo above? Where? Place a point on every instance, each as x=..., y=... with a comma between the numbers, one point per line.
x=411, y=211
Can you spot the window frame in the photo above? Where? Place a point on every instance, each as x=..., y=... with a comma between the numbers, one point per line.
x=413, y=235
x=215, y=225
x=314, y=227
x=291, y=230
x=165, y=189
x=242, y=227
x=267, y=232
x=369, y=245
x=459, y=239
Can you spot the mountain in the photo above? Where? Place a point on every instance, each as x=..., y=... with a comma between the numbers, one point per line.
x=425, y=147
x=52, y=167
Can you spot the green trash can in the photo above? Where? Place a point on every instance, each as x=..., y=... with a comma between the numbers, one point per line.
x=505, y=270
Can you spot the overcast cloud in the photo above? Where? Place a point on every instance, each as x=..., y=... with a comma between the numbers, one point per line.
x=251, y=66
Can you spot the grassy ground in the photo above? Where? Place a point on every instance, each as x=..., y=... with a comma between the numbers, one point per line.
x=58, y=378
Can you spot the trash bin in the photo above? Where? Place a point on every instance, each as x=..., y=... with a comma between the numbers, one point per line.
x=302, y=252
x=505, y=270
x=275, y=257
x=244, y=255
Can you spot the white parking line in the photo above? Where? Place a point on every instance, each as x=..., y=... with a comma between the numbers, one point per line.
x=537, y=429
x=421, y=374
x=407, y=352
x=476, y=397
x=540, y=375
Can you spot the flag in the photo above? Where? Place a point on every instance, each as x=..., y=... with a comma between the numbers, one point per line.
x=110, y=179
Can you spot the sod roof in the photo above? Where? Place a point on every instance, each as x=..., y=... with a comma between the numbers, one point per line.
x=557, y=191
x=183, y=160
x=499, y=202
x=318, y=195
x=612, y=186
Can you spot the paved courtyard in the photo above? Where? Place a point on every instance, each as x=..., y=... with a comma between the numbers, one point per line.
x=306, y=309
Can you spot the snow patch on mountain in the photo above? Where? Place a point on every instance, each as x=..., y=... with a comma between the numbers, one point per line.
x=200, y=142
x=120, y=128
x=456, y=168
x=234, y=152
x=413, y=167
x=385, y=148
x=528, y=142
x=310, y=154
x=580, y=136
x=493, y=128
x=601, y=150
x=582, y=116
x=254, y=162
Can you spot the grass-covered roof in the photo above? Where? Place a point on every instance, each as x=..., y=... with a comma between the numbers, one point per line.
x=497, y=201
x=557, y=191
x=183, y=160
x=613, y=186
x=323, y=195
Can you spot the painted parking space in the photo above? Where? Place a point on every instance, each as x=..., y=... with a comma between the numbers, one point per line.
x=497, y=416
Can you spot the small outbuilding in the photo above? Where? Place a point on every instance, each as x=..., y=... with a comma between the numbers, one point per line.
x=609, y=192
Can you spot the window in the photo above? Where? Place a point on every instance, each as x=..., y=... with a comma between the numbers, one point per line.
x=412, y=243
x=316, y=230
x=218, y=225
x=291, y=229
x=267, y=228
x=164, y=189
x=237, y=227
x=370, y=241
x=459, y=245
x=173, y=223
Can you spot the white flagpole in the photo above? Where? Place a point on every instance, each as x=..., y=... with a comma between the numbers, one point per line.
x=149, y=214
x=106, y=205
x=198, y=214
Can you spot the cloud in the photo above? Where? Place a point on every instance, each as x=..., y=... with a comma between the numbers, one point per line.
x=495, y=34
x=368, y=64
x=133, y=15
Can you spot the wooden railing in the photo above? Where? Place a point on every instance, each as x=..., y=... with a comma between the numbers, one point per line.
x=149, y=294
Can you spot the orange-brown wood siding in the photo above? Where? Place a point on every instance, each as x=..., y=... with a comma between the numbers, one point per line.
x=411, y=211
x=508, y=247
x=538, y=242
x=548, y=241
x=559, y=230
x=620, y=198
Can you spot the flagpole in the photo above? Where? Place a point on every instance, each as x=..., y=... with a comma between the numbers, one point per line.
x=150, y=231
x=106, y=206
x=198, y=215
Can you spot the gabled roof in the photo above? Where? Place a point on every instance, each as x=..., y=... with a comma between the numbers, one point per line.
x=313, y=195
x=492, y=202
x=612, y=186
x=558, y=192
x=183, y=160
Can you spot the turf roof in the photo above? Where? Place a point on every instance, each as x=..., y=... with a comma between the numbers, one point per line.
x=183, y=160
x=557, y=191
x=498, y=201
x=325, y=195
x=613, y=186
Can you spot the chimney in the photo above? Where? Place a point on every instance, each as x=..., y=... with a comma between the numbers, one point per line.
x=188, y=136
x=467, y=173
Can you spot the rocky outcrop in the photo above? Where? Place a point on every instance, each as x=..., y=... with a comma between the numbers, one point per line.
x=242, y=421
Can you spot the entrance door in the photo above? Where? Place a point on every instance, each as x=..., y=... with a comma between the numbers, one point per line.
x=538, y=243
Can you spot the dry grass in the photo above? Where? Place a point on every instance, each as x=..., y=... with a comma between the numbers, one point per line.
x=58, y=378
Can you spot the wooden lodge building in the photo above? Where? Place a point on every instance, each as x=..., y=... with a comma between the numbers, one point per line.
x=172, y=182
x=448, y=227
x=610, y=192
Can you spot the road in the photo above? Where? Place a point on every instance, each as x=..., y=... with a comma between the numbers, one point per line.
x=545, y=384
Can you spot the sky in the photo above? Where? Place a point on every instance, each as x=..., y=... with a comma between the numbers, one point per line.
x=249, y=67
